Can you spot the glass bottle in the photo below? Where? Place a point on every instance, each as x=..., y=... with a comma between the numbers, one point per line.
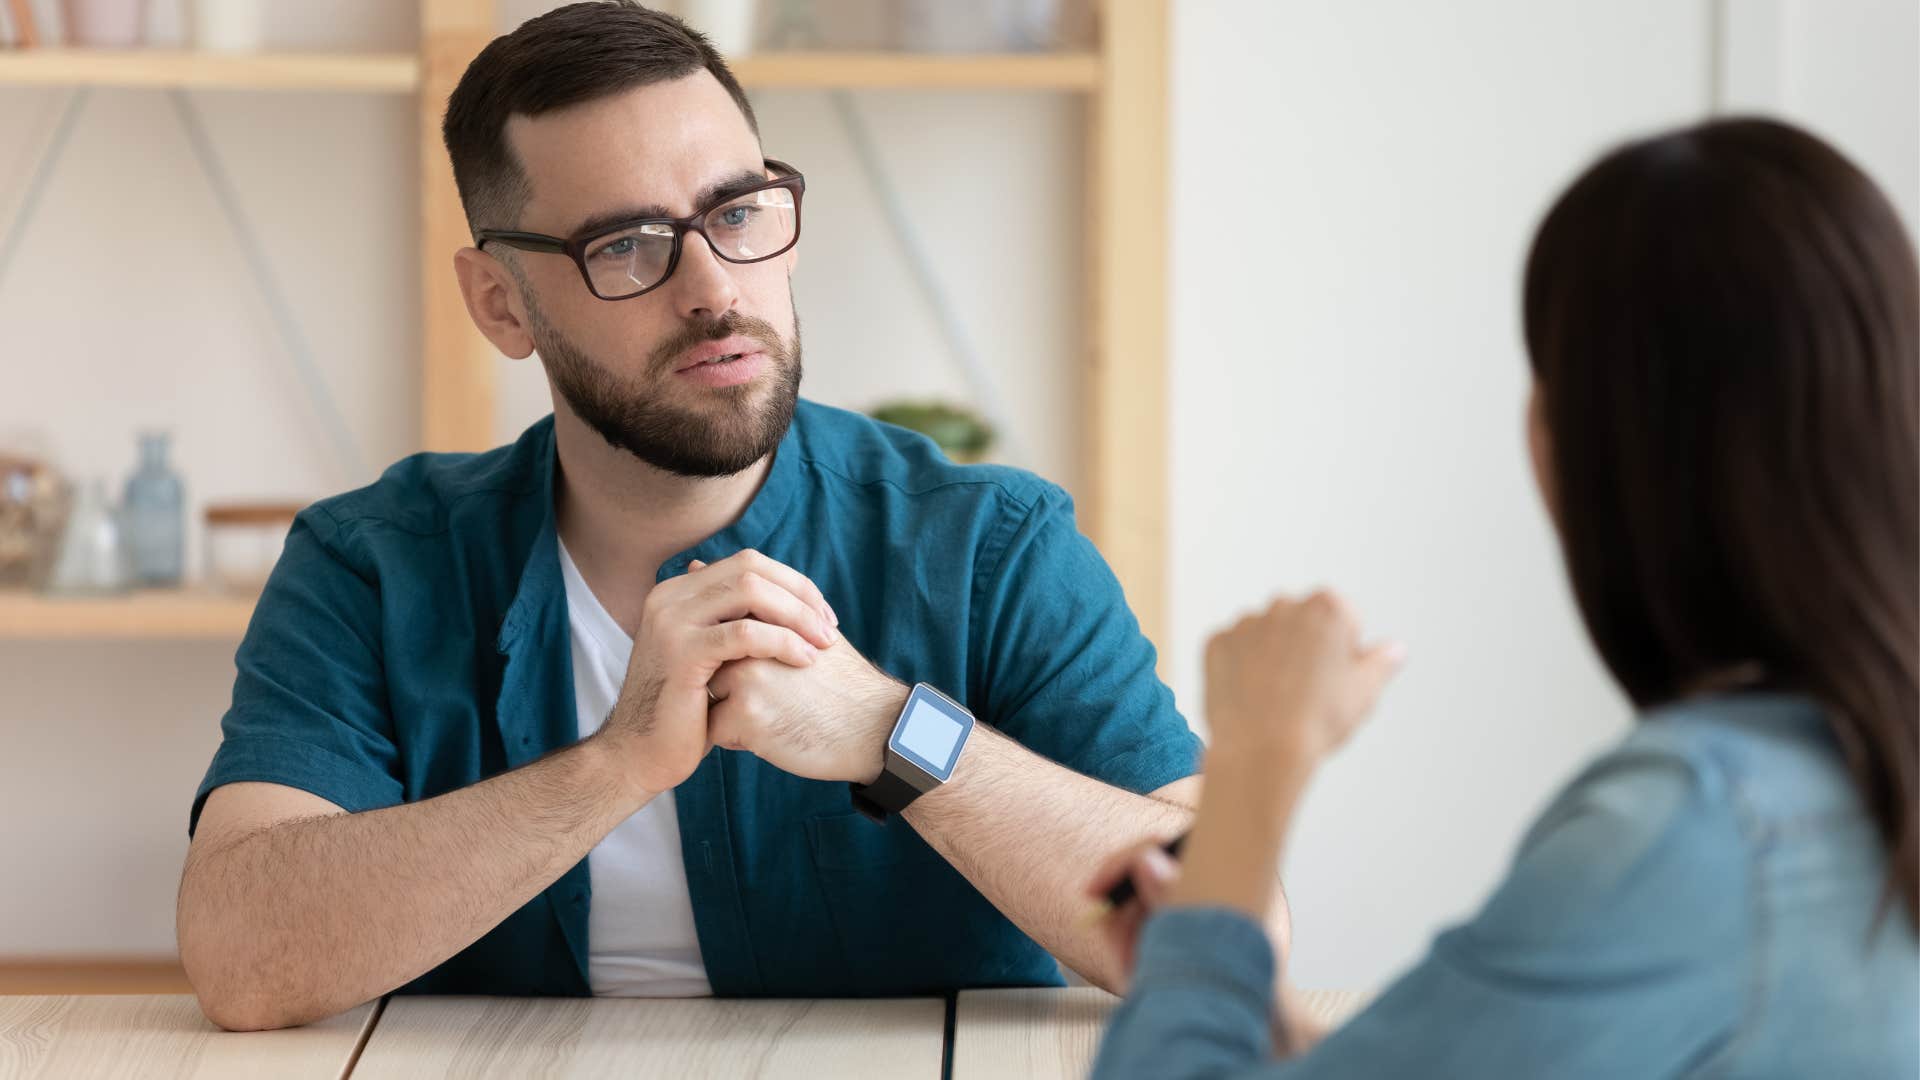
x=154, y=511
x=93, y=553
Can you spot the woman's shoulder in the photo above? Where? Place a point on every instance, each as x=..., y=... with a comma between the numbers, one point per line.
x=1771, y=759
x=1658, y=837
x=1705, y=772
x=1647, y=836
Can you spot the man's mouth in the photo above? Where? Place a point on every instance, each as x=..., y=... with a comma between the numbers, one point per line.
x=733, y=361
x=715, y=353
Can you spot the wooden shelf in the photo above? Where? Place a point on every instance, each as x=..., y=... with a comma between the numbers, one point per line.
x=400, y=72
x=1123, y=76
x=167, y=68
x=158, y=614
x=858, y=71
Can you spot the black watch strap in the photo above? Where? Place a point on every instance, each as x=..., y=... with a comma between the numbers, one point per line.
x=888, y=795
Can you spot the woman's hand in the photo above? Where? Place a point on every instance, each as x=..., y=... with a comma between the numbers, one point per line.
x=1154, y=875
x=1153, y=872
x=1285, y=688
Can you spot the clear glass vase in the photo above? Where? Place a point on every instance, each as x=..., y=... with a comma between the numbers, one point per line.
x=154, y=510
x=93, y=552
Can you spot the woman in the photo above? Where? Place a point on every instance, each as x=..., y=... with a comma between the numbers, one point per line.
x=1724, y=327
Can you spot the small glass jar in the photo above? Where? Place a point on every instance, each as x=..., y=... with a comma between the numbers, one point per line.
x=243, y=543
x=34, y=505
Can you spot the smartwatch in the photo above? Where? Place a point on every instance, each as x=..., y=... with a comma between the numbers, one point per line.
x=921, y=753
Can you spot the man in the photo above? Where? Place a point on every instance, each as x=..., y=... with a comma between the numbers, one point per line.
x=577, y=716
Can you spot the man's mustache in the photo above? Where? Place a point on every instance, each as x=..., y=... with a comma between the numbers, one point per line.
x=695, y=333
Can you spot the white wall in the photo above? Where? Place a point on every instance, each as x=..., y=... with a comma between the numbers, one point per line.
x=1843, y=67
x=1355, y=186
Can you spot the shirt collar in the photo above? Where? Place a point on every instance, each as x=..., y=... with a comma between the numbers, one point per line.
x=538, y=590
x=539, y=601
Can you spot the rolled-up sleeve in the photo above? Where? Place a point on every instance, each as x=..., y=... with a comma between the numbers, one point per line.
x=309, y=705
x=1069, y=672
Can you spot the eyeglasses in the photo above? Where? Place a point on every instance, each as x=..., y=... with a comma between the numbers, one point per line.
x=623, y=261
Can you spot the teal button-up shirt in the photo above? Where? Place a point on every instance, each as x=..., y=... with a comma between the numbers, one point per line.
x=413, y=639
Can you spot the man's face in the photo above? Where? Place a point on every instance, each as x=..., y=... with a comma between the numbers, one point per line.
x=699, y=376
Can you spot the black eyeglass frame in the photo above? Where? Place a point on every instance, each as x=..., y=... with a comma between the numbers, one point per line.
x=575, y=247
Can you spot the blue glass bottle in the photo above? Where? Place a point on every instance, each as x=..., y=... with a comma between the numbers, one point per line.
x=154, y=511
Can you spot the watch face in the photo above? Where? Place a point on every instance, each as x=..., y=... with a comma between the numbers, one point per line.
x=931, y=732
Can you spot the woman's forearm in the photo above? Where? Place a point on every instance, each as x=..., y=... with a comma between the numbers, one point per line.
x=1233, y=854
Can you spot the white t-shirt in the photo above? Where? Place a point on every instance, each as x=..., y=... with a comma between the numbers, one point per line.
x=640, y=935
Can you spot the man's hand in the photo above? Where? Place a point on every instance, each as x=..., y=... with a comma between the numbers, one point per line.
x=828, y=720
x=745, y=606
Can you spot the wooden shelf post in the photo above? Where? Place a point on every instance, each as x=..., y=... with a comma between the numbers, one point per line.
x=457, y=364
x=1125, y=496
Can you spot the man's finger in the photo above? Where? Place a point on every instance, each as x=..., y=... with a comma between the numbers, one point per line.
x=722, y=728
x=786, y=577
x=744, y=638
x=750, y=595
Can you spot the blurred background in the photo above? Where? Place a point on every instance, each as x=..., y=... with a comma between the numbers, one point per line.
x=1322, y=379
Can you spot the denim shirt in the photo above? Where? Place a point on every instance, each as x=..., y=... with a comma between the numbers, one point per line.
x=413, y=640
x=1704, y=900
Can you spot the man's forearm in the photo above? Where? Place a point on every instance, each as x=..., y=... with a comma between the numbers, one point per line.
x=1029, y=834
x=307, y=918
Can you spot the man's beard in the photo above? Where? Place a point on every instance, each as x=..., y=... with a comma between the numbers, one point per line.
x=722, y=441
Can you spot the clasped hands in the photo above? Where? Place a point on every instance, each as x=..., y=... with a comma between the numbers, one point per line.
x=746, y=654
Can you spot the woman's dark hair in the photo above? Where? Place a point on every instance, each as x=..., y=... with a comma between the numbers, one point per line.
x=1724, y=325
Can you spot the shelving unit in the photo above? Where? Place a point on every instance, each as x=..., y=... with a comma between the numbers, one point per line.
x=1123, y=498
x=165, y=613
x=896, y=71
x=397, y=73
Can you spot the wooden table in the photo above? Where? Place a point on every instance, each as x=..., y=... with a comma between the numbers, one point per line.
x=164, y=1035
x=997, y=1034
x=898, y=1039
x=1055, y=1033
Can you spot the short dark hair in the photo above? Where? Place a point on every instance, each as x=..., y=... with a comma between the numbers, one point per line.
x=1724, y=322
x=573, y=54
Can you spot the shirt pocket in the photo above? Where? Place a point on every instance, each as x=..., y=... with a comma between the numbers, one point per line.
x=906, y=921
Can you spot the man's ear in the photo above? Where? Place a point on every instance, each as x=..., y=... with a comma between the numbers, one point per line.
x=493, y=301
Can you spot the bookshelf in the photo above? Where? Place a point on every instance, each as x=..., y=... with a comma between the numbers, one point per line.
x=1123, y=500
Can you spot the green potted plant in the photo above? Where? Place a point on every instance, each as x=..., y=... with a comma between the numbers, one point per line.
x=962, y=434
